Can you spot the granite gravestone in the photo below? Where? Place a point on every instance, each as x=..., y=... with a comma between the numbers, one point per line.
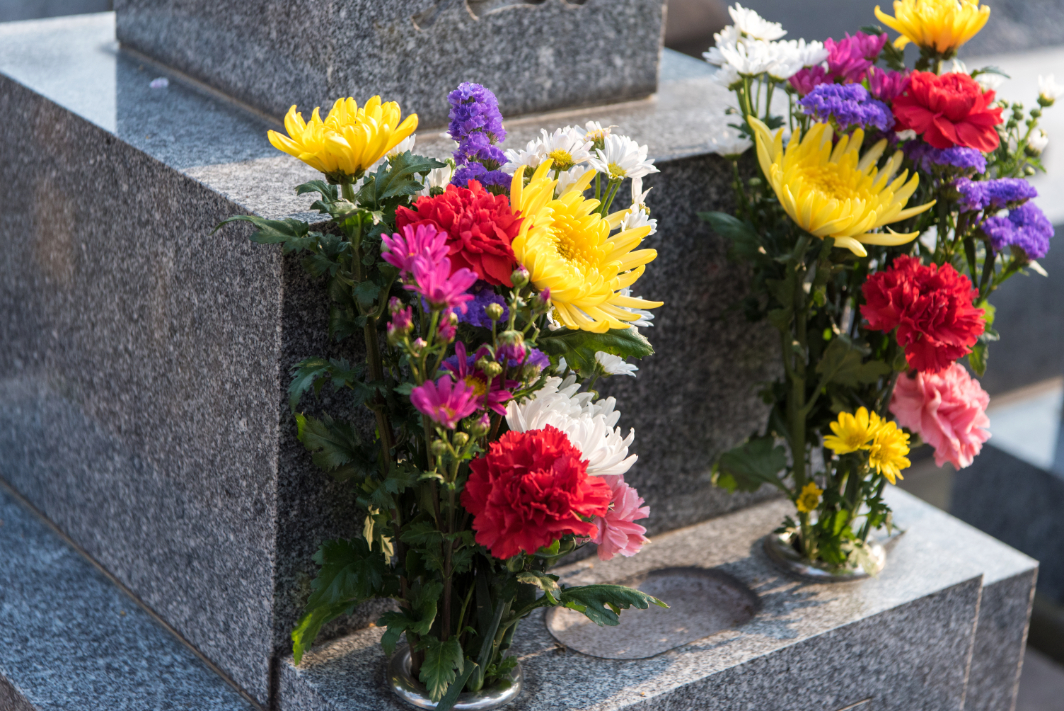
x=537, y=55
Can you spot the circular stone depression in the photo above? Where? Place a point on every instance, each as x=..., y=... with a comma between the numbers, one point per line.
x=701, y=603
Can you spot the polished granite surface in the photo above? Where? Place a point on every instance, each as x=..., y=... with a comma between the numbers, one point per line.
x=902, y=639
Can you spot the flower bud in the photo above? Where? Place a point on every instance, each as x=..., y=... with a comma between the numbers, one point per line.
x=519, y=277
x=446, y=332
x=438, y=448
x=460, y=439
x=511, y=338
x=489, y=367
x=541, y=300
x=419, y=345
x=494, y=311
x=479, y=427
x=394, y=304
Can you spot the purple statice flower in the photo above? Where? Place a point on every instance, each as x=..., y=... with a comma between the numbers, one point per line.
x=536, y=359
x=887, y=86
x=445, y=401
x=512, y=354
x=478, y=148
x=1025, y=227
x=993, y=194
x=488, y=179
x=849, y=106
x=400, y=250
x=805, y=80
x=474, y=109
x=851, y=57
x=476, y=315
x=440, y=288
x=958, y=158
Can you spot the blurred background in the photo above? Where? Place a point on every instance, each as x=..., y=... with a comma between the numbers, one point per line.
x=1015, y=490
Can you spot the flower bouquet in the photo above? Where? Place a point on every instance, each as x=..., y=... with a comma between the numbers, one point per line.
x=488, y=295
x=890, y=203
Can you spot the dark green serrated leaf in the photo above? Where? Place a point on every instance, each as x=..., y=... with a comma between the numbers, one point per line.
x=602, y=603
x=315, y=371
x=311, y=623
x=292, y=233
x=751, y=464
x=443, y=660
x=336, y=447
x=746, y=243
x=350, y=572
x=544, y=581
x=978, y=357
x=579, y=347
x=842, y=364
x=329, y=192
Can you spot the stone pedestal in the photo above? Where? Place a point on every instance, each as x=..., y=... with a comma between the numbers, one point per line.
x=144, y=366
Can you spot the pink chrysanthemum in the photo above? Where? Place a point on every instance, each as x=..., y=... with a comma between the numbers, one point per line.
x=415, y=241
x=616, y=531
x=440, y=288
x=445, y=402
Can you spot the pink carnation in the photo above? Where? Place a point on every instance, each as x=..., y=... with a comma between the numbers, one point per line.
x=616, y=533
x=947, y=409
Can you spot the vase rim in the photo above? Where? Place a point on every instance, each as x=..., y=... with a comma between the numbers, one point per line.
x=780, y=551
x=404, y=685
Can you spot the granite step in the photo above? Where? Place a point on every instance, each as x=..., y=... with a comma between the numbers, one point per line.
x=72, y=640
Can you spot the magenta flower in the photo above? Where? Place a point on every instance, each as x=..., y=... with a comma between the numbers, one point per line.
x=808, y=79
x=887, y=86
x=616, y=531
x=444, y=401
x=463, y=367
x=851, y=57
x=443, y=290
x=416, y=241
x=402, y=321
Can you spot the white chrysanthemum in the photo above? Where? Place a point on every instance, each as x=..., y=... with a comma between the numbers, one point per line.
x=531, y=155
x=621, y=157
x=1049, y=89
x=593, y=131
x=566, y=147
x=590, y=426
x=751, y=57
x=753, y=25
x=645, y=317
x=726, y=76
x=568, y=178
x=614, y=365
x=438, y=178
x=407, y=144
x=791, y=56
x=906, y=135
x=728, y=38
x=728, y=142
x=638, y=216
x=1038, y=141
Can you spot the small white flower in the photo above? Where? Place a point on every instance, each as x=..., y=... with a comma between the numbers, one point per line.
x=645, y=317
x=438, y=178
x=590, y=426
x=639, y=196
x=726, y=76
x=750, y=57
x=906, y=135
x=566, y=147
x=1049, y=89
x=594, y=131
x=1038, y=141
x=990, y=81
x=753, y=25
x=728, y=38
x=614, y=365
x=531, y=155
x=794, y=55
x=567, y=178
x=957, y=67
x=638, y=216
x=621, y=157
x=729, y=143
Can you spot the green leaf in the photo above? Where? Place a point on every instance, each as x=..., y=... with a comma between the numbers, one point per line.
x=746, y=467
x=544, y=581
x=451, y=697
x=336, y=447
x=421, y=533
x=746, y=243
x=579, y=347
x=442, y=660
x=314, y=371
x=395, y=179
x=311, y=623
x=366, y=293
x=292, y=233
x=602, y=603
x=978, y=357
x=329, y=192
x=350, y=572
x=843, y=364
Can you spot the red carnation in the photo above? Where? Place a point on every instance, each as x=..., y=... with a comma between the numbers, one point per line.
x=480, y=228
x=948, y=110
x=529, y=490
x=930, y=306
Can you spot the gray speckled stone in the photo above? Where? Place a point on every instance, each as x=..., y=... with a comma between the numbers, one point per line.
x=900, y=641
x=143, y=360
x=71, y=640
x=536, y=55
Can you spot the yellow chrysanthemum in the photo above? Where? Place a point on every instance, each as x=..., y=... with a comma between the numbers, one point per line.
x=348, y=141
x=853, y=432
x=937, y=25
x=888, y=450
x=809, y=498
x=566, y=246
x=833, y=191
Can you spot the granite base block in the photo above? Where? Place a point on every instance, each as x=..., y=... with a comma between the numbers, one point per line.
x=71, y=640
x=144, y=358
x=907, y=640
x=536, y=55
